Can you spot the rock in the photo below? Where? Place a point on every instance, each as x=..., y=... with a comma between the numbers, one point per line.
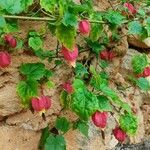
x=14, y=138
x=136, y=42
x=75, y=140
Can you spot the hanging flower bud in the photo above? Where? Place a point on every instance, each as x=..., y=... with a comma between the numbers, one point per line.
x=100, y=119
x=107, y=55
x=70, y=56
x=68, y=87
x=145, y=73
x=84, y=27
x=41, y=104
x=130, y=8
x=47, y=101
x=119, y=134
x=11, y=41
x=5, y=59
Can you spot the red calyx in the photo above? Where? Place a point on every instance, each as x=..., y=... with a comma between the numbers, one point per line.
x=42, y=103
x=10, y=40
x=84, y=27
x=67, y=87
x=70, y=55
x=119, y=134
x=100, y=119
x=107, y=55
x=145, y=73
x=5, y=59
x=130, y=8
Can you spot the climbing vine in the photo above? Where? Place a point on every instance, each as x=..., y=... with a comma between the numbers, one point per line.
x=88, y=94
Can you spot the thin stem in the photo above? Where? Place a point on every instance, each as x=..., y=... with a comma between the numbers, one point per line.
x=28, y=18
x=57, y=49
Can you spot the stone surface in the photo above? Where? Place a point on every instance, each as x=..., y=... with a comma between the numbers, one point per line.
x=136, y=42
x=14, y=138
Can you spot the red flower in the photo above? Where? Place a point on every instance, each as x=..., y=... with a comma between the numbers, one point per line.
x=5, y=59
x=11, y=41
x=84, y=27
x=100, y=119
x=119, y=134
x=107, y=55
x=68, y=87
x=41, y=104
x=70, y=56
x=130, y=8
x=145, y=73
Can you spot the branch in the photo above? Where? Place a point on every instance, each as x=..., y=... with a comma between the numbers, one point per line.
x=28, y=18
x=40, y=18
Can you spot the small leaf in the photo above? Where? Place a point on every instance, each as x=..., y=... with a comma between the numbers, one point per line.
x=34, y=71
x=66, y=35
x=139, y=62
x=2, y=22
x=143, y=84
x=83, y=127
x=64, y=99
x=35, y=43
x=128, y=123
x=55, y=142
x=104, y=104
x=70, y=19
x=45, y=135
x=135, y=27
x=50, y=84
x=80, y=70
x=62, y=124
x=26, y=90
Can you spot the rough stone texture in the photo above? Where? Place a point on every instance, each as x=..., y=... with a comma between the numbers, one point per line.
x=136, y=42
x=14, y=138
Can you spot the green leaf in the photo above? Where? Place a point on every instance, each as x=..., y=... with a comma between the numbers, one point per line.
x=15, y=6
x=26, y=90
x=84, y=103
x=2, y=22
x=96, y=31
x=64, y=99
x=135, y=27
x=34, y=71
x=43, y=54
x=50, y=84
x=147, y=26
x=95, y=46
x=77, y=84
x=45, y=135
x=97, y=81
x=139, y=62
x=104, y=104
x=48, y=5
x=62, y=124
x=103, y=64
x=55, y=142
x=143, y=84
x=128, y=123
x=114, y=17
x=66, y=35
x=70, y=19
x=82, y=126
x=80, y=70
x=35, y=43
